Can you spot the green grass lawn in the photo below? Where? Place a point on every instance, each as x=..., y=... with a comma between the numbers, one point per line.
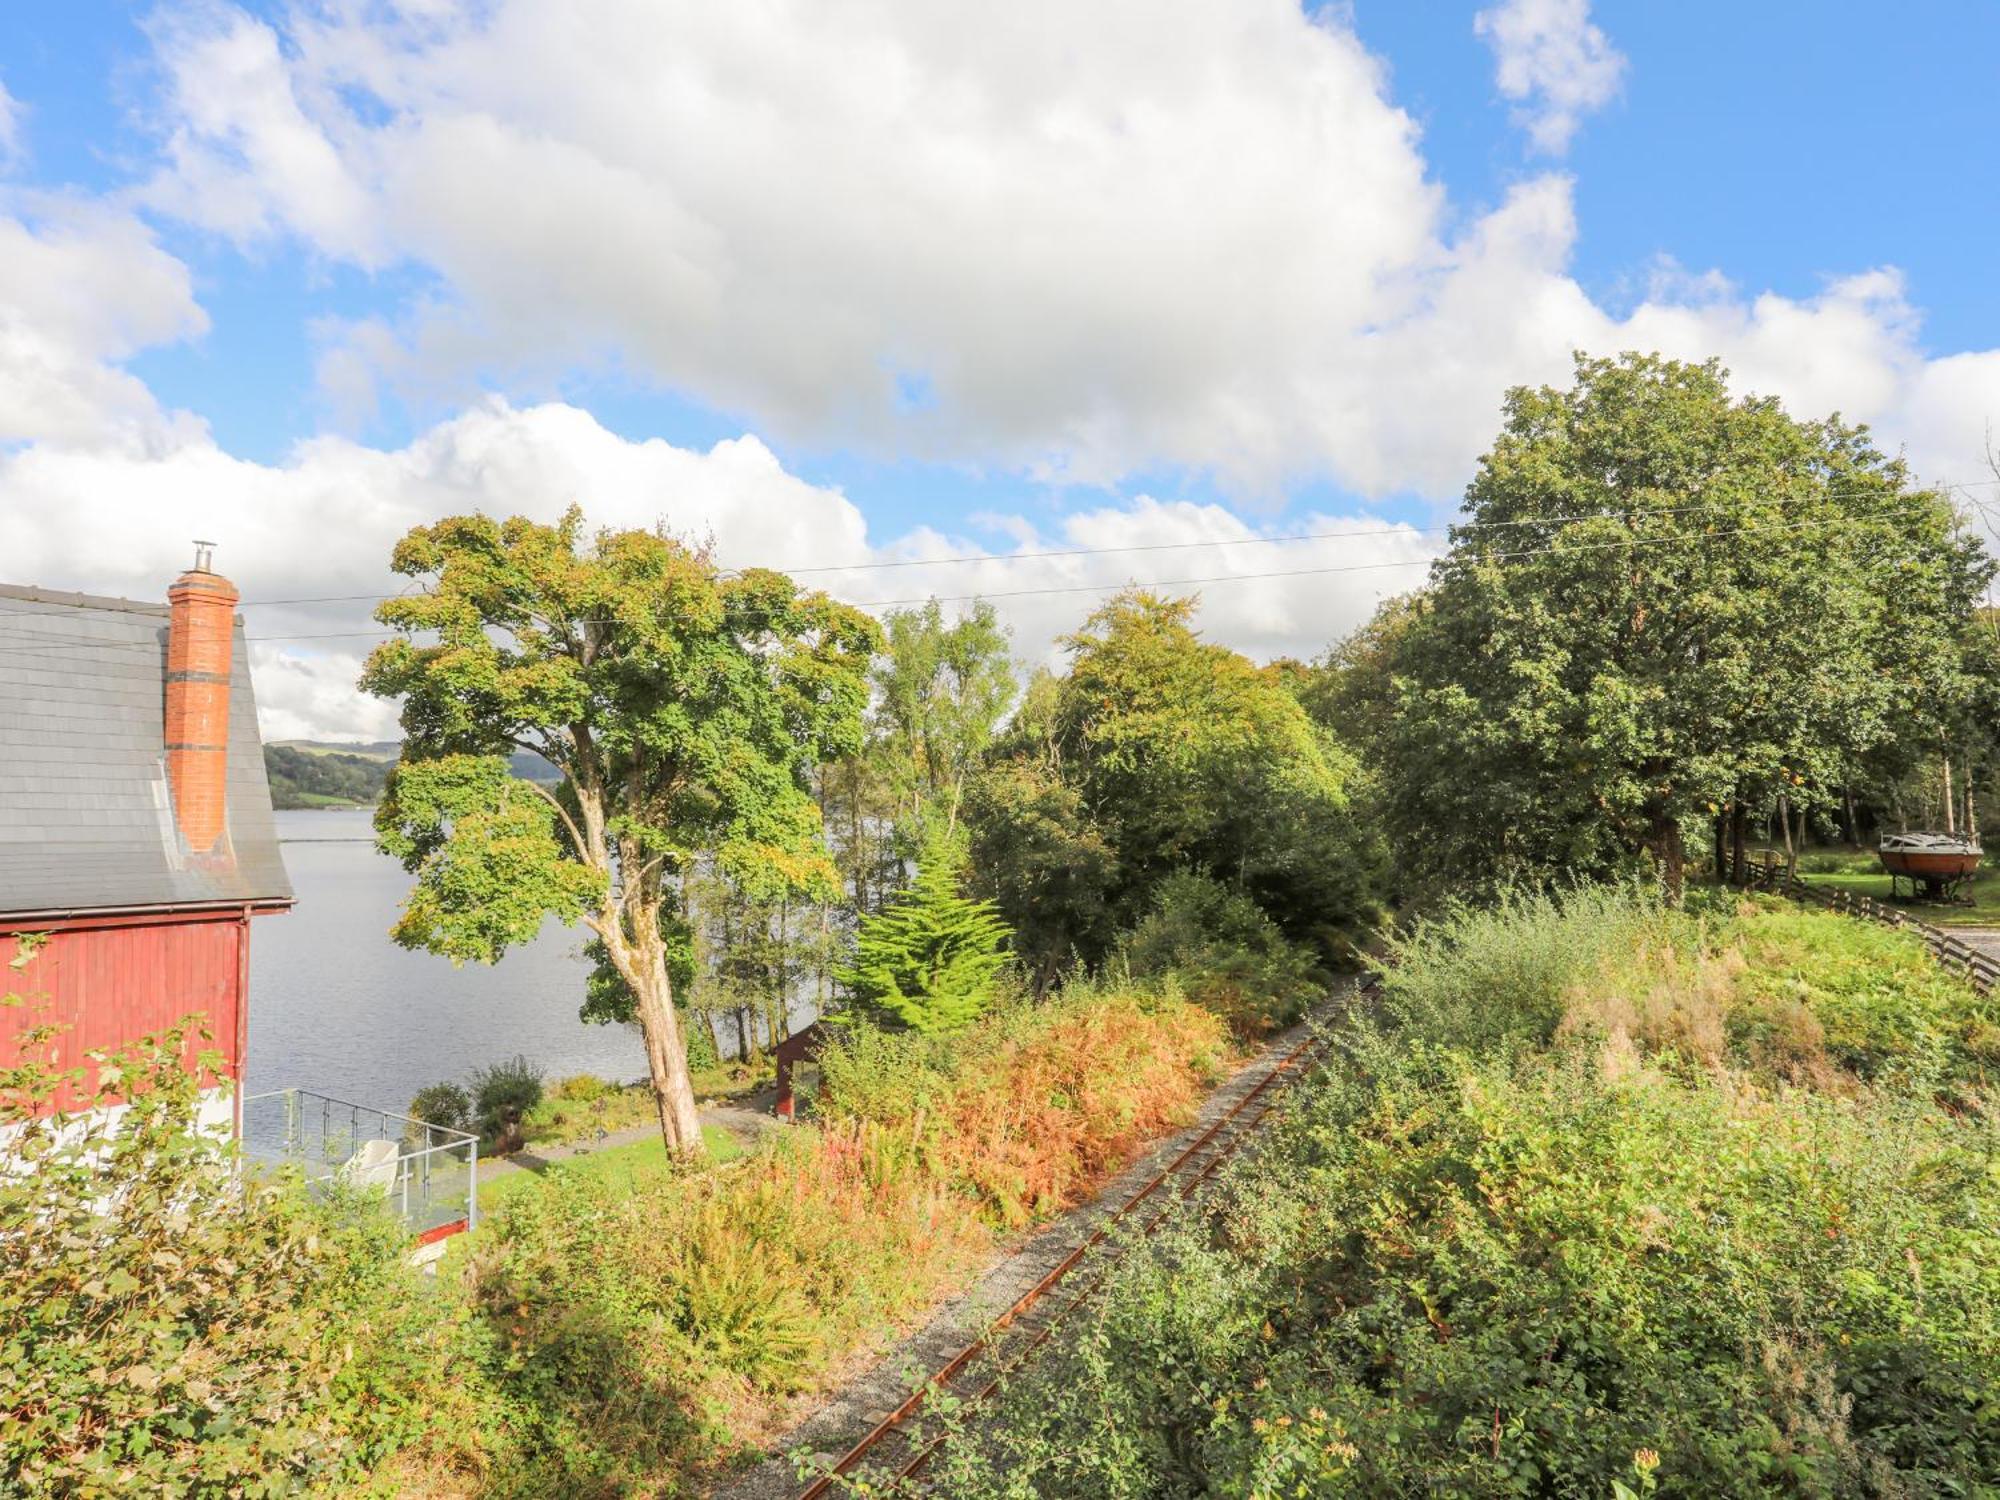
x=1863, y=875
x=630, y=1168
x=561, y=1118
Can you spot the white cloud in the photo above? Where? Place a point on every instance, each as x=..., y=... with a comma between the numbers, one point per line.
x=82, y=287
x=1096, y=236
x=1066, y=241
x=1553, y=62
x=11, y=111
x=355, y=501
x=1071, y=241
x=245, y=158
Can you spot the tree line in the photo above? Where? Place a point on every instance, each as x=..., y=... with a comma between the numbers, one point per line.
x=1666, y=611
x=308, y=778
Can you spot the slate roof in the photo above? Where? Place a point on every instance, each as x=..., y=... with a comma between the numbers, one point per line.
x=85, y=820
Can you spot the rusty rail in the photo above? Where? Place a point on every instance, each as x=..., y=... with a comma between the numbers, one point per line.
x=898, y=1443
x=1981, y=970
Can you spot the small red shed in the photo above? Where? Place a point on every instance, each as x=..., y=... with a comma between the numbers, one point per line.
x=799, y=1047
x=136, y=836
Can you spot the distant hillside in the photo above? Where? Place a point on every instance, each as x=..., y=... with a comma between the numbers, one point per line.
x=367, y=749
x=315, y=777
x=328, y=773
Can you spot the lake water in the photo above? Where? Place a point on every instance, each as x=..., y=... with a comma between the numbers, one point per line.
x=338, y=1008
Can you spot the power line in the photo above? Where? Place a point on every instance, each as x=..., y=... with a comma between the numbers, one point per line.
x=1088, y=588
x=1244, y=541
x=1341, y=568
x=1010, y=558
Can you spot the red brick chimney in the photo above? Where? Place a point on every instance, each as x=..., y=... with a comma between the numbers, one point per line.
x=200, y=626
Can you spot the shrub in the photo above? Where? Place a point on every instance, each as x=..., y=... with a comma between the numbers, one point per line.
x=642, y=1335
x=582, y=1088
x=639, y=1335
x=1225, y=953
x=1504, y=975
x=169, y=1325
x=1031, y=1105
x=701, y=1052
x=1561, y=1224
x=753, y=1274
x=502, y=1095
x=444, y=1104
x=1485, y=1281
x=1880, y=1007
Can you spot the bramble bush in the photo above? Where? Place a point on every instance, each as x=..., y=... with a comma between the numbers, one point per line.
x=635, y=1338
x=1563, y=1220
x=170, y=1325
x=1035, y=1101
x=1225, y=953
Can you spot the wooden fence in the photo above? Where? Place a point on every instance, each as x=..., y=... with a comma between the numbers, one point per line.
x=1981, y=970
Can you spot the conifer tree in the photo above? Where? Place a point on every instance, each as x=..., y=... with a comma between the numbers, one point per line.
x=927, y=961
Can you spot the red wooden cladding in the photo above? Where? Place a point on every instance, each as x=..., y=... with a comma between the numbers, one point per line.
x=108, y=983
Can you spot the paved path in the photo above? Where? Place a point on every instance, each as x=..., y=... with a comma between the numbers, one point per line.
x=747, y=1125
x=847, y=1414
x=1985, y=939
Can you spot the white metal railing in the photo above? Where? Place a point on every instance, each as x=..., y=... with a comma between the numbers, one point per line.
x=428, y=1174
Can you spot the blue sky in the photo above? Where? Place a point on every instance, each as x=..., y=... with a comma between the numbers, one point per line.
x=1780, y=144
x=1172, y=271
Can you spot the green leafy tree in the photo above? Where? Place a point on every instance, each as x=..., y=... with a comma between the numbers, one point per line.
x=858, y=805
x=1948, y=737
x=1663, y=601
x=942, y=692
x=756, y=951
x=1226, y=954
x=1043, y=862
x=928, y=959
x=1189, y=756
x=683, y=709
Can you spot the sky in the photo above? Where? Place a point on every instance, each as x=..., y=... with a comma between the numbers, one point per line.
x=927, y=298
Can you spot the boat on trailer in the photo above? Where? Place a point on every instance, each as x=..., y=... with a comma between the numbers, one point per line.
x=1935, y=864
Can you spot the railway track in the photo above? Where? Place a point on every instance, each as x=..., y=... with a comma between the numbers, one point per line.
x=895, y=1452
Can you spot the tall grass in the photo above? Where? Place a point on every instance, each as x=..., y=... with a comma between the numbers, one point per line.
x=1502, y=975
x=634, y=1338
x=1616, y=1199
x=1032, y=1105
x=646, y=1333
